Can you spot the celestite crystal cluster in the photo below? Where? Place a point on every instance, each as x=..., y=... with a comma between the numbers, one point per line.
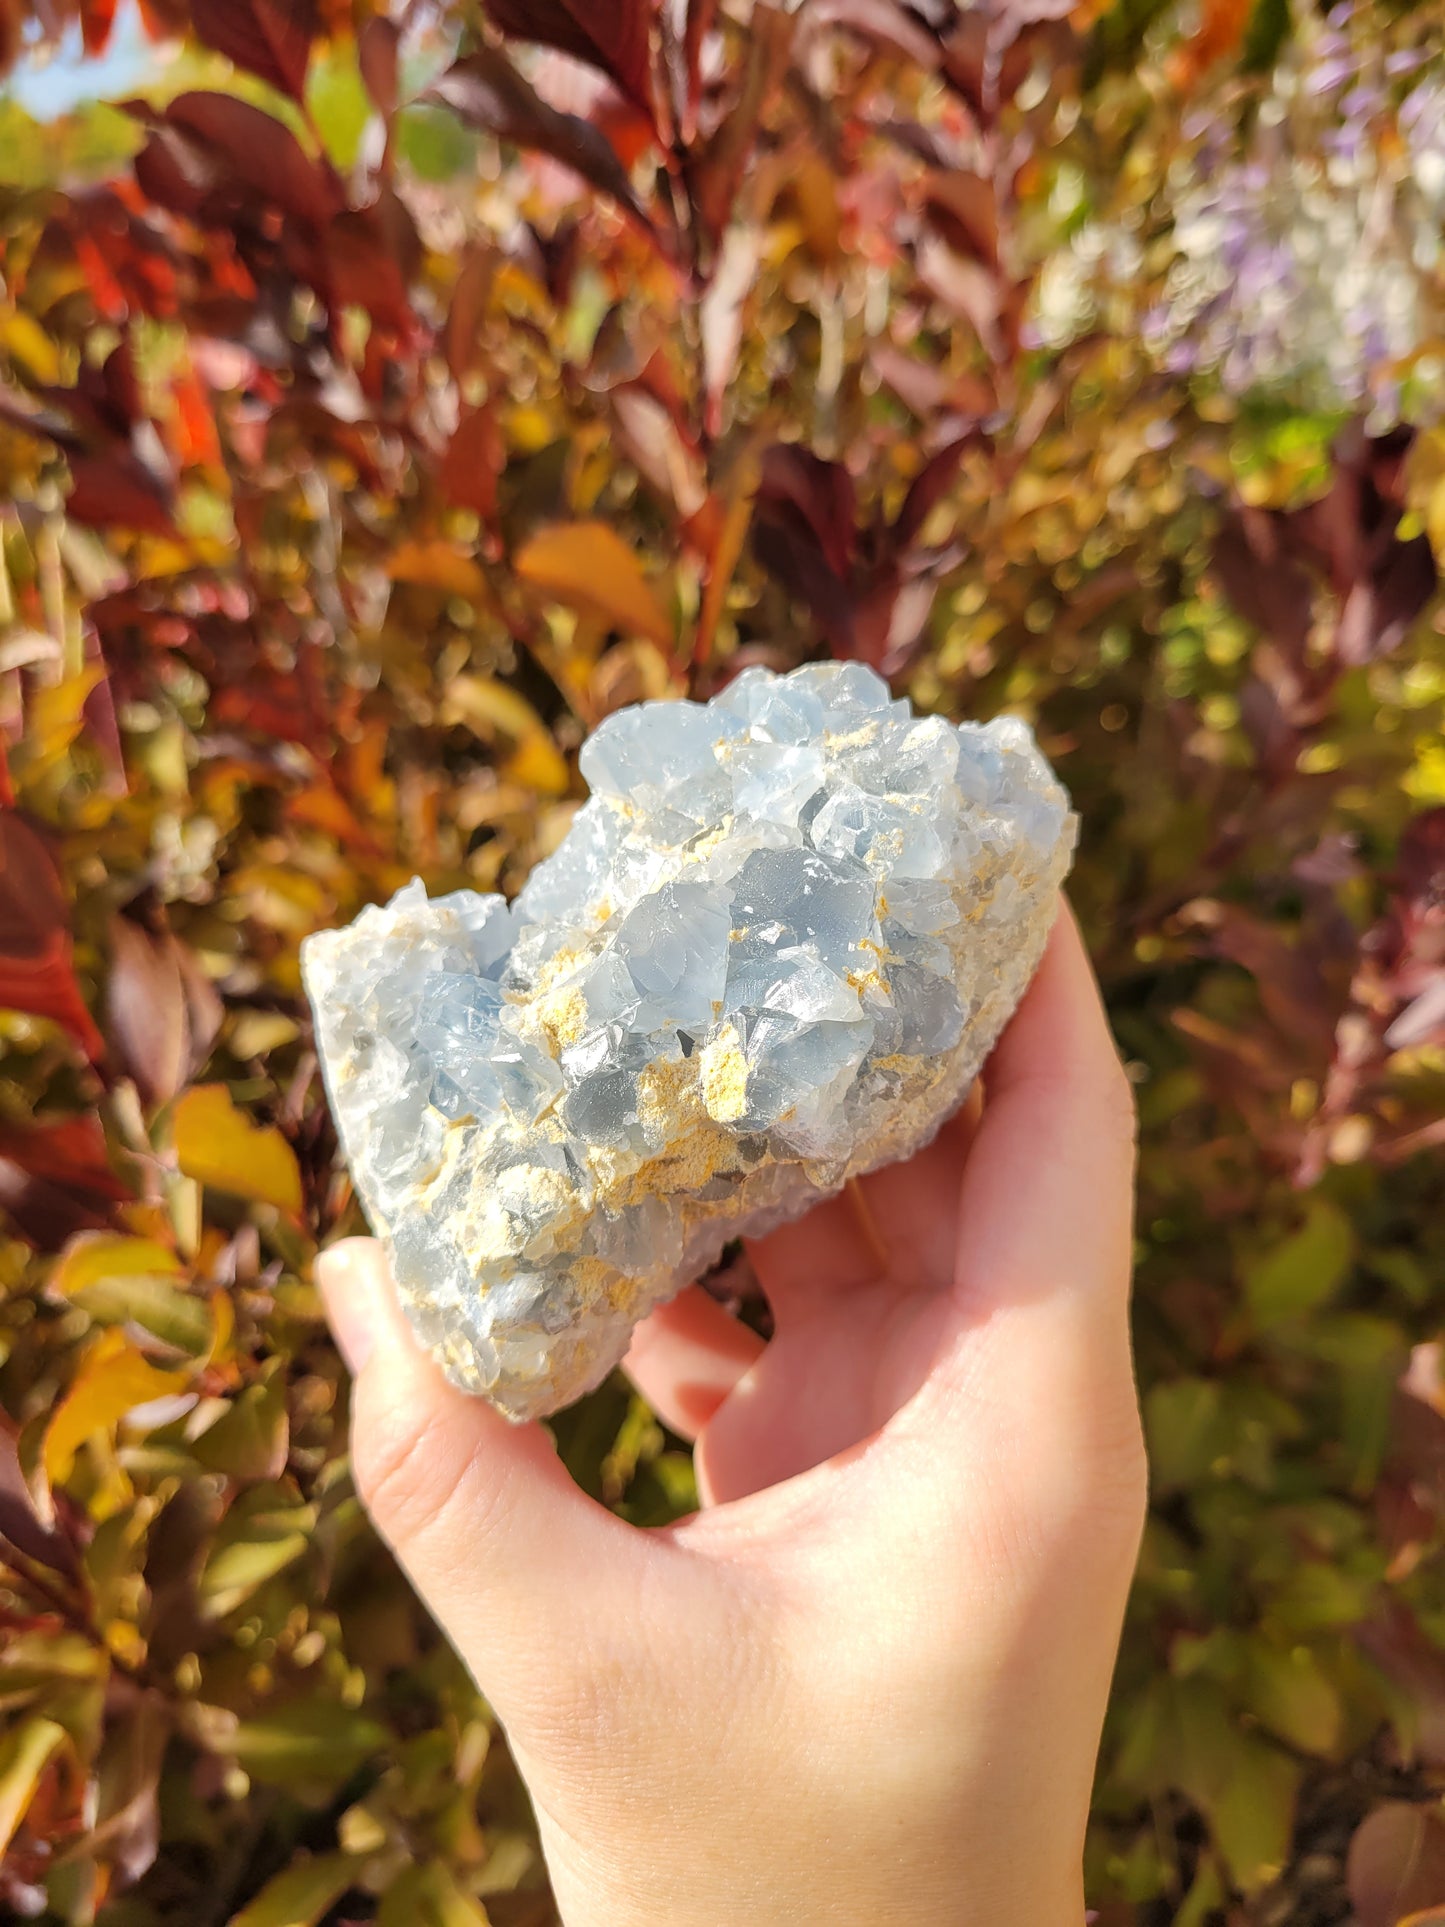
x=772, y=953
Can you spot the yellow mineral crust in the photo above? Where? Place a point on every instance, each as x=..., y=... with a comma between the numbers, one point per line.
x=723, y=1076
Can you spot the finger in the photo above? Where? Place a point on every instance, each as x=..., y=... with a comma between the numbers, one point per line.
x=914, y=1206
x=816, y=1259
x=1048, y=1189
x=481, y=1512
x=1034, y=1364
x=688, y=1357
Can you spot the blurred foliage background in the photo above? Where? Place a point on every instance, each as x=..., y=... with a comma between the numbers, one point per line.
x=386, y=395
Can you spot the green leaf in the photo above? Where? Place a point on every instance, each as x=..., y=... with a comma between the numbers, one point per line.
x=249, y=1441
x=1304, y=1272
x=1187, y=1739
x=310, y=1742
x=337, y=98
x=1187, y=1431
x=1288, y=1691
x=302, y=1894
x=163, y=1309
x=429, y=1897
x=262, y=1534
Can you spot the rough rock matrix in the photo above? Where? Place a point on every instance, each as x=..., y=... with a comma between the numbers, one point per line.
x=773, y=951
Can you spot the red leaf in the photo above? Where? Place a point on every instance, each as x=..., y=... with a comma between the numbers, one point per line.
x=474, y=459
x=163, y=19
x=118, y=491
x=56, y=1180
x=797, y=483
x=928, y=488
x=364, y=271
x=615, y=35
x=271, y=38
x=964, y=209
x=211, y=146
x=376, y=51
x=35, y=949
x=486, y=91
x=97, y=17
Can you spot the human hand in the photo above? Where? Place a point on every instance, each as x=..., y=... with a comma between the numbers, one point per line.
x=865, y=1682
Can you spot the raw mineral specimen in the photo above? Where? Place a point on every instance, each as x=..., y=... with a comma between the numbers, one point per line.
x=772, y=952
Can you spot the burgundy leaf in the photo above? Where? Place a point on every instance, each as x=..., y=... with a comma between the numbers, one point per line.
x=270, y=38
x=376, y=53
x=55, y=1180
x=927, y=490
x=1254, y=559
x=792, y=555
x=615, y=35
x=964, y=209
x=884, y=22
x=145, y=1008
x=486, y=91
x=118, y=491
x=798, y=485
x=35, y=948
x=1420, y=863
x=21, y=1525
x=246, y=153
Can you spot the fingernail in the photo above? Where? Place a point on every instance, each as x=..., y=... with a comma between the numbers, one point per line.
x=345, y=1291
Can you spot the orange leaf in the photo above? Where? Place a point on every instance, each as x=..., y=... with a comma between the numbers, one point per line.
x=588, y=566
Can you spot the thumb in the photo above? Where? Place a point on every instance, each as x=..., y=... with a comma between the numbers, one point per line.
x=502, y=1546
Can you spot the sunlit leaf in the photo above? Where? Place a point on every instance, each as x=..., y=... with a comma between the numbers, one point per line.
x=587, y=566
x=115, y=1380
x=25, y=1752
x=429, y=1897
x=217, y=1144
x=309, y=1740
x=300, y=1895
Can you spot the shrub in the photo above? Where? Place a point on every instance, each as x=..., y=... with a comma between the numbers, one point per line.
x=385, y=402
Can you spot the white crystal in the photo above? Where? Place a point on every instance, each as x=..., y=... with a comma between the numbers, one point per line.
x=772, y=953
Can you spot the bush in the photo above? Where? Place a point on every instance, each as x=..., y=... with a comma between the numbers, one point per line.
x=380, y=409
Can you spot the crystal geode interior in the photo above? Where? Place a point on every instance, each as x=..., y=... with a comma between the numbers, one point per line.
x=772, y=953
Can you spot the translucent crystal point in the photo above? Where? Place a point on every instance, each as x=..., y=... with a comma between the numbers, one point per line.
x=771, y=954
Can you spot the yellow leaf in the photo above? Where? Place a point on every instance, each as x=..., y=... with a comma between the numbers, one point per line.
x=300, y=1895
x=25, y=1752
x=217, y=1144
x=55, y=716
x=538, y=764
x=96, y=1256
x=22, y=337
x=481, y=702
x=438, y=565
x=114, y=1380
x=492, y=708
x=589, y=567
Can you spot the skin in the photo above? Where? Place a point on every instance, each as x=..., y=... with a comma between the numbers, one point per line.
x=865, y=1682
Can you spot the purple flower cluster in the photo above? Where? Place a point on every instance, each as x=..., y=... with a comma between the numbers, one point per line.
x=1310, y=259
